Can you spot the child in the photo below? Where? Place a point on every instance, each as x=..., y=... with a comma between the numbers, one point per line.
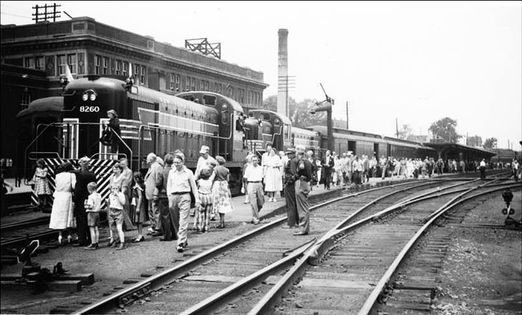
x=140, y=205
x=205, y=196
x=115, y=215
x=92, y=207
x=220, y=191
x=41, y=185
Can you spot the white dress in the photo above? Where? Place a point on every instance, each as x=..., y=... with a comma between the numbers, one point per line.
x=273, y=177
x=62, y=212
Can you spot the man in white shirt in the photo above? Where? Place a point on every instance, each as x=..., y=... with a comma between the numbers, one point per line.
x=204, y=160
x=254, y=176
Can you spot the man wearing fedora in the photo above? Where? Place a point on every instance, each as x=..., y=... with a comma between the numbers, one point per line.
x=302, y=189
x=290, y=178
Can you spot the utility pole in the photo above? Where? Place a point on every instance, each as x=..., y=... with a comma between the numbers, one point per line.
x=347, y=123
x=397, y=127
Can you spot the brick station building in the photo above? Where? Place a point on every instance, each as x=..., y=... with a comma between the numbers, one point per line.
x=42, y=50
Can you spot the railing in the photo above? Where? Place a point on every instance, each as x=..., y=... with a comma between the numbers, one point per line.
x=29, y=155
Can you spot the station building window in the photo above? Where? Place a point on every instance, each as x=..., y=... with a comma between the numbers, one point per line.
x=105, y=65
x=178, y=82
x=119, y=67
x=172, y=82
x=81, y=63
x=142, y=75
x=72, y=62
x=125, y=69
x=97, y=64
x=60, y=61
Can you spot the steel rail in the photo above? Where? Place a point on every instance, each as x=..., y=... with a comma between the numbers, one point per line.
x=23, y=224
x=322, y=245
x=370, y=302
x=205, y=306
x=218, y=298
x=168, y=275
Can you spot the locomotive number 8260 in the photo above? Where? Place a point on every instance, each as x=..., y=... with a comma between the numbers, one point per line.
x=89, y=109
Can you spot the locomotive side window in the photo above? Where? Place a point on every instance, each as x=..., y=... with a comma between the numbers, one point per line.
x=209, y=100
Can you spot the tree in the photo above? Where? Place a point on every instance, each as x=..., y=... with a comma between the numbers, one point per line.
x=490, y=143
x=475, y=141
x=444, y=129
x=404, y=132
x=299, y=112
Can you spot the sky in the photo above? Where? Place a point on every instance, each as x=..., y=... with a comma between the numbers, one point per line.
x=410, y=62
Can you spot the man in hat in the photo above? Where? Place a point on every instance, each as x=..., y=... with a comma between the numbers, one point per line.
x=83, y=177
x=204, y=160
x=292, y=217
x=114, y=126
x=152, y=181
x=302, y=189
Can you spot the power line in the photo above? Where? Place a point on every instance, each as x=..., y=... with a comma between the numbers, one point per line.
x=16, y=15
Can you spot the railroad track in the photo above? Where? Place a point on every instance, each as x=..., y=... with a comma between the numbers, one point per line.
x=227, y=279
x=354, y=272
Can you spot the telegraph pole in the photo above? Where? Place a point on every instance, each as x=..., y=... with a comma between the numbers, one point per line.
x=347, y=123
x=397, y=127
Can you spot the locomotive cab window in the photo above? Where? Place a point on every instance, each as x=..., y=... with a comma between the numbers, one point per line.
x=209, y=100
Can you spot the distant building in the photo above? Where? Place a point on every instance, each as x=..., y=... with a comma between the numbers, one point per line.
x=88, y=47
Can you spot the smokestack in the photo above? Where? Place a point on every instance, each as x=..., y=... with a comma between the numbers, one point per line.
x=282, y=79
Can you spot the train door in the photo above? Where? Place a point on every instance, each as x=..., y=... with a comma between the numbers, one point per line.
x=70, y=136
x=376, y=150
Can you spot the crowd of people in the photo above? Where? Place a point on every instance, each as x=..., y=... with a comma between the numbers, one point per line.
x=164, y=196
x=169, y=194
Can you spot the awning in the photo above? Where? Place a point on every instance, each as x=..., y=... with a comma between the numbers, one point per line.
x=50, y=105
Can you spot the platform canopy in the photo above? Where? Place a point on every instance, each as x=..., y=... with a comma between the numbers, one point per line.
x=453, y=150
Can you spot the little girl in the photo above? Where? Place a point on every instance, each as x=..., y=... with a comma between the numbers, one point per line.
x=140, y=204
x=115, y=215
x=92, y=207
x=205, y=196
x=41, y=185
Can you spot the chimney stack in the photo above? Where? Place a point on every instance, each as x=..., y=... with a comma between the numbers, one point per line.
x=282, y=79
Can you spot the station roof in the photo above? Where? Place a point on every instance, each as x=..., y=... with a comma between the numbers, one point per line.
x=460, y=147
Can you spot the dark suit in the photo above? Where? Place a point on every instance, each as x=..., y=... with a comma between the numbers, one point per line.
x=80, y=195
x=167, y=218
x=328, y=163
x=291, y=207
x=152, y=179
x=302, y=189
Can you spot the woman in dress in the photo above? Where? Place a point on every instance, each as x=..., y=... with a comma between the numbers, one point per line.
x=220, y=192
x=41, y=184
x=62, y=216
x=273, y=178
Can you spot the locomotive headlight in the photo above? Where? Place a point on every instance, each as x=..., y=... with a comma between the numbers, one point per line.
x=85, y=97
x=92, y=97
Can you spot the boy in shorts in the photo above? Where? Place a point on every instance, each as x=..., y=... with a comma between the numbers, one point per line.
x=92, y=207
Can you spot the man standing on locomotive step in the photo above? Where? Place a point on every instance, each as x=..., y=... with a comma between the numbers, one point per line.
x=83, y=177
x=302, y=189
x=152, y=180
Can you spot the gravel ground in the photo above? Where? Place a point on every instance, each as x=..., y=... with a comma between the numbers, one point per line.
x=482, y=273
